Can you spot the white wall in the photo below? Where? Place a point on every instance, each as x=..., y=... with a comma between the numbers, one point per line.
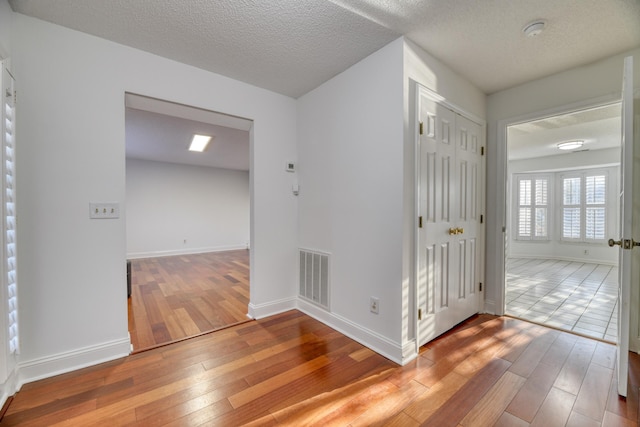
x=6, y=16
x=555, y=248
x=168, y=204
x=356, y=171
x=573, y=88
x=71, y=150
x=350, y=172
x=422, y=68
x=8, y=361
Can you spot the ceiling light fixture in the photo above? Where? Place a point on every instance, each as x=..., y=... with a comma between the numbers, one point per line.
x=199, y=143
x=534, y=28
x=570, y=145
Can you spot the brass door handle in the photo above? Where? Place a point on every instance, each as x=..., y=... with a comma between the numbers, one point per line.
x=625, y=243
x=453, y=231
x=612, y=242
x=460, y=230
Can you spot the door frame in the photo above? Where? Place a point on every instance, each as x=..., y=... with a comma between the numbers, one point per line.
x=415, y=89
x=497, y=306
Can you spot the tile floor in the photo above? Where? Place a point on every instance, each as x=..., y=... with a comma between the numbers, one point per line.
x=573, y=296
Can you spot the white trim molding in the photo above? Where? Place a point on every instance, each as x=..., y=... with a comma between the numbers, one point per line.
x=260, y=311
x=9, y=387
x=376, y=342
x=154, y=254
x=61, y=363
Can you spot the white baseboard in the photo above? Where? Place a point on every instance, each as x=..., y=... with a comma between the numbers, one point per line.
x=61, y=363
x=490, y=306
x=376, y=342
x=260, y=311
x=565, y=258
x=409, y=351
x=191, y=251
x=9, y=387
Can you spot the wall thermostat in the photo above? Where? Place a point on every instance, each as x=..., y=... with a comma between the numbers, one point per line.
x=290, y=167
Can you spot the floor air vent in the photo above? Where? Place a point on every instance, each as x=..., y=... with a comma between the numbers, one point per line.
x=314, y=277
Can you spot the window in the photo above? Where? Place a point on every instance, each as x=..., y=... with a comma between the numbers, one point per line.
x=532, y=218
x=9, y=346
x=584, y=201
x=8, y=210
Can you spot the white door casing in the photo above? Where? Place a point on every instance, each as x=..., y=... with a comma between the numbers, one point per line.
x=450, y=185
x=626, y=242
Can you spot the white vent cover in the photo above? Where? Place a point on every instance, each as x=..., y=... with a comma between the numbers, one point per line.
x=314, y=277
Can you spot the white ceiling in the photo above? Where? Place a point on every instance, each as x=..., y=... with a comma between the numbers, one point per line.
x=161, y=131
x=293, y=46
x=599, y=128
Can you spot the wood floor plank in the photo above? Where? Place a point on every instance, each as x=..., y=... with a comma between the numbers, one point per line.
x=613, y=420
x=290, y=369
x=489, y=409
x=176, y=297
x=508, y=420
x=529, y=359
x=579, y=420
x=593, y=394
x=386, y=410
x=435, y=397
x=527, y=402
x=573, y=371
x=555, y=410
x=469, y=394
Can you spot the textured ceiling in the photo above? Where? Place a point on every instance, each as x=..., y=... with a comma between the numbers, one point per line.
x=157, y=137
x=292, y=46
x=599, y=128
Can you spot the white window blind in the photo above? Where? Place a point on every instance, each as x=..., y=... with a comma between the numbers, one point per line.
x=533, y=207
x=571, y=192
x=9, y=211
x=584, y=197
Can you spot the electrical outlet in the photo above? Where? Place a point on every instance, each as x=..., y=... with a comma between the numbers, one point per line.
x=374, y=305
x=104, y=210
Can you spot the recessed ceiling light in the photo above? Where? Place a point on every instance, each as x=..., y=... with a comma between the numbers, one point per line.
x=534, y=28
x=570, y=145
x=199, y=143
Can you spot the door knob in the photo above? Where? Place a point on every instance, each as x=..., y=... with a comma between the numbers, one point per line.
x=460, y=230
x=453, y=231
x=625, y=243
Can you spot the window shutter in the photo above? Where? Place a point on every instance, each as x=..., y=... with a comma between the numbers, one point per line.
x=9, y=211
x=595, y=210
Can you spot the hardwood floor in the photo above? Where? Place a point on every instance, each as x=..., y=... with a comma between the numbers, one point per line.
x=177, y=297
x=292, y=370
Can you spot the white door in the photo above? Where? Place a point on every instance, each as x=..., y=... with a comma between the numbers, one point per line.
x=626, y=241
x=449, y=184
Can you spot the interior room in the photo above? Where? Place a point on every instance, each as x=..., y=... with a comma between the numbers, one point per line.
x=560, y=270
x=187, y=212
x=377, y=211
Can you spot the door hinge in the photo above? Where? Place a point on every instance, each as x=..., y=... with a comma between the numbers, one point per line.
x=419, y=222
x=421, y=128
x=482, y=151
x=419, y=314
x=481, y=219
x=480, y=286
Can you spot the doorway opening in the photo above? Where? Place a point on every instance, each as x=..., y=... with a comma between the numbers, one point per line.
x=561, y=207
x=187, y=219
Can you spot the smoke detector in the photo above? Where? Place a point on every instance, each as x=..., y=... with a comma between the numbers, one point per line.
x=534, y=28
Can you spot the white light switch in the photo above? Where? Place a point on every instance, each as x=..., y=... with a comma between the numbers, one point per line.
x=104, y=210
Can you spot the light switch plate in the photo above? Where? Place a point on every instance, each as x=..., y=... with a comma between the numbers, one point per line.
x=104, y=210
